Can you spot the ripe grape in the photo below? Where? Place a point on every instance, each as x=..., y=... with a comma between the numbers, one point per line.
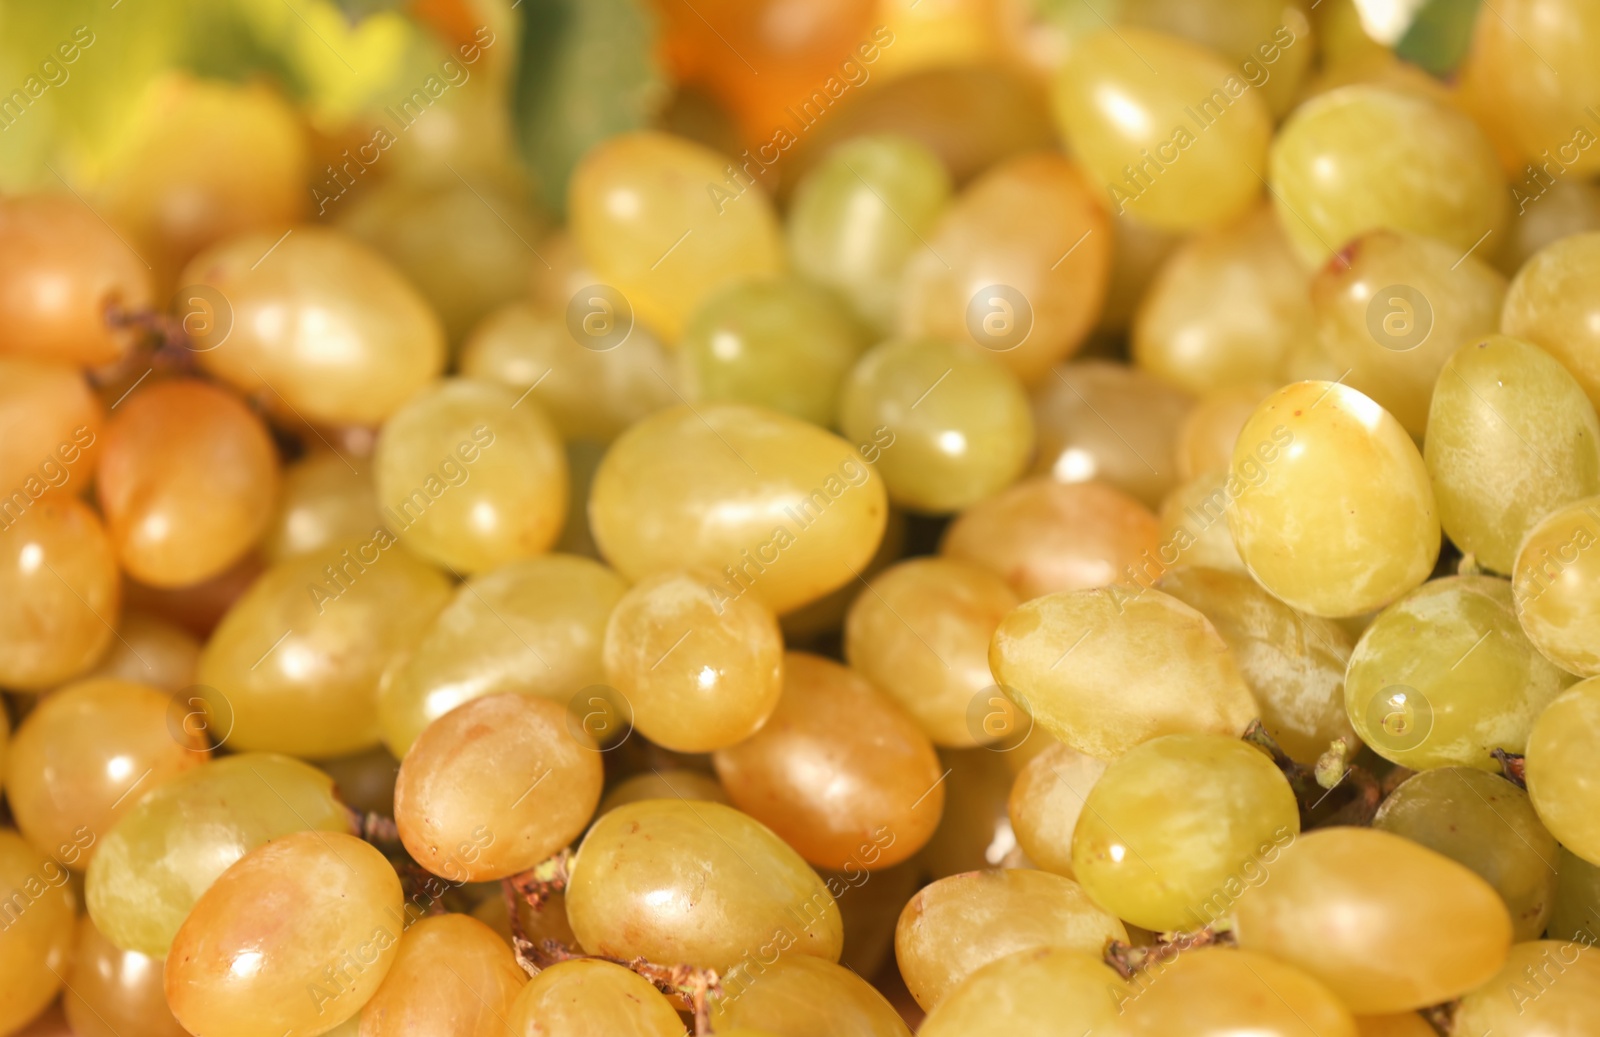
x=1210, y=991
x=1206, y=438
x=797, y=995
x=325, y=498
x=36, y=943
x=1556, y=586
x=111, y=992
x=1042, y=992
x=451, y=975
x=1241, y=32
x=149, y=650
x=664, y=784
x=1194, y=526
x=1046, y=802
x=1562, y=768
x=53, y=426
x=1552, y=303
x=1546, y=987
x=59, y=592
x=583, y=997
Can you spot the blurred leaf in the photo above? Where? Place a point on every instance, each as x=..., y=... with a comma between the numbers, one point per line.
x=1439, y=37
x=588, y=72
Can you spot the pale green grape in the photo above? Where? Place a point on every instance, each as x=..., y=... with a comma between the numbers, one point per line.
x=1194, y=524
x=1043, y=992
x=1268, y=41
x=1563, y=768
x=324, y=498
x=1557, y=586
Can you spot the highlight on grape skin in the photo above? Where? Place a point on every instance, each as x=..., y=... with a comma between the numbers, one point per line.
x=799, y=518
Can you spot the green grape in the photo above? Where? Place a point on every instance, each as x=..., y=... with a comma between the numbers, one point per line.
x=1182, y=335
x=1563, y=767
x=1267, y=40
x=1547, y=987
x=960, y=422
x=111, y=992
x=320, y=324
x=587, y=998
x=1104, y=670
x=1488, y=824
x=1429, y=930
x=1112, y=423
x=1293, y=663
x=745, y=492
x=1577, y=900
x=1043, y=992
x=59, y=592
x=149, y=650
x=1416, y=698
x=1194, y=525
x=495, y=786
x=1329, y=501
x=1205, y=439
x=957, y=925
x=1552, y=303
x=860, y=216
x=291, y=940
x=452, y=975
x=1394, y=308
x=1556, y=585
x=800, y=996
x=534, y=626
x=324, y=498
x=1164, y=865
x=1364, y=157
x=1047, y=800
x=922, y=634
x=36, y=943
x=294, y=666
x=698, y=884
x=781, y=343
x=1217, y=991
x=155, y=862
x=429, y=453
x=587, y=393
x=1181, y=148
x=664, y=784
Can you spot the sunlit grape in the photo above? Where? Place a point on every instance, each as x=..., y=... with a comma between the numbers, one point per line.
x=1046, y=801
x=1562, y=766
x=1552, y=303
x=1556, y=586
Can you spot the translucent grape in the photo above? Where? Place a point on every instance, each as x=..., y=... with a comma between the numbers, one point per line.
x=1552, y=303
x=664, y=784
x=1329, y=501
x=111, y=992
x=1416, y=699
x=1206, y=438
x=839, y=771
x=796, y=995
x=36, y=943
x=745, y=492
x=1194, y=527
x=1217, y=990
x=59, y=592
x=1566, y=207
x=1556, y=586
x=699, y=884
x=1041, y=992
x=584, y=997
x=1546, y=987
x=1105, y=670
x=1046, y=802
x=1562, y=768
x=52, y=423
x=451, y=975
x=1430, y=929
x=149, y=650
x=1265, y=38
x=294, y=937
x=325, y=498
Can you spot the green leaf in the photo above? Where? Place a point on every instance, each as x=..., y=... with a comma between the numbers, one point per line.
x=1439, y=37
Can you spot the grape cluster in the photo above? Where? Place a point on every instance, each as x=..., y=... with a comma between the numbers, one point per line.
x=800, y=518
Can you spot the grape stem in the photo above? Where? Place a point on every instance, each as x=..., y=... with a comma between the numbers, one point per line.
x=1442, y=1017
x=1129, y=960
x=1312, y=787
x=1513, y=767
x=374, y=828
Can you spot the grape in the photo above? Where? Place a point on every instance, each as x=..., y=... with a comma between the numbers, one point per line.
x=451, y=975
x=664, y=784
x=1546, y=987
x=1414, y=697
x=1182, y=335
x=1577, y=899
x=781, y=343
x=1394, y=308
x=472, y=476
x=1244, y=33
x=534, y=626
x=1555, y=586
x=1206, y=438
x=921, y=633
x=1105, y=670
x=1293, y=663
x=1329, y=501
x=115, y=993
x=294, y=665
x=746, y=492
x=1405, y=1024
x=862, y=214
x=960, y=421
x=1046, y=802
x=149, y=650
x=1043, y=992
x=839, y=771
x=1562, y=768
x=1566, y=207
x=1194, y=527
x=1215, y=991
x=1430, y=929
x=825, y=616
x=62, y=268
x=199, y=607
x=155, y=862
x=1042, y=536
x=59, y=593
x=698, y=884
x=319, y=323
x=1018, y=264
x=584, y=997
x=644, y=215
x=1467, y=815
x=295, y=936
x=959, y=924
x=699, y=670
x=495, y=786
x=36, y=943
x=187, y=479
x=325, y=498
x=53, y=426
x=1553, y=304
x=85, y=756
x=587, y=393
x=1363, y=157
x=800, y=996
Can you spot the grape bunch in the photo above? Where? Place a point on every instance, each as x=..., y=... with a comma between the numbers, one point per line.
x=800, y=518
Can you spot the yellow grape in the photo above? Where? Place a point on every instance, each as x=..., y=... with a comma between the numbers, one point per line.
x=1329, y=501
x=111, y=992
x=452, y=975
x=797, y=996
x=291, y=940
x=150, y=650
x=1206, y=437
x=1219, y=991
x=1562, y=768
x=53, y=426
x=588, y=998
x=1268, y=41
x=36, y=942
x=1194, y=527
x=59, y=593
x=1043, y=992
x=495, y=786
x=1552, y=302
x=1046, y=801
x=325, y=497
x=1547, y=987
x=664, y=784
x=1556, y=585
